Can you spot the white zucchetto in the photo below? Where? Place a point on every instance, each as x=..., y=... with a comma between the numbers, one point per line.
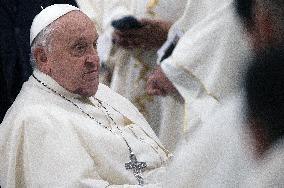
x=47, y=16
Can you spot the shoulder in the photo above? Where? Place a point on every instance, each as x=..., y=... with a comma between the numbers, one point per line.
x=24, y=123
x=28, y=111
x=20, y=115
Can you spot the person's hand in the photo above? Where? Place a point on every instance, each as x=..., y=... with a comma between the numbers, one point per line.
x=159, y=84
x=151, y=35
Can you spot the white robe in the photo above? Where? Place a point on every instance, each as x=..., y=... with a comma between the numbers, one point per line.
x=132, y=67
x=45, y=141
x=268, y=172
x=174, y=120
x=209, y=61
x=217, y=155
x=194, y=12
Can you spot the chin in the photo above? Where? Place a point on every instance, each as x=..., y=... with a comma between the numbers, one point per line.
x=91, y=91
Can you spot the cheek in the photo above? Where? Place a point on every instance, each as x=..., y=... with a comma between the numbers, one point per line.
x=64, y=68
x=67, y=71
x=75, y=71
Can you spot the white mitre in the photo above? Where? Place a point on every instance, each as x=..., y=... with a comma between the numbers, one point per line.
x=47, y=16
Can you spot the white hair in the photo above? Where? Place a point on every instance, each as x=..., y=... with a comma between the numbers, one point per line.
x=42, y=40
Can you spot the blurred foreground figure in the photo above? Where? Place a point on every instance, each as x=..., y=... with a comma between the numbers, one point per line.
x=206, y=66
x=67, y=130
x=220, y=153
x=265, y=107
x=264, y=88
x=264, y=22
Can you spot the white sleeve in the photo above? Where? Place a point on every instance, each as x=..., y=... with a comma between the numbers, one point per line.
x=185, y=82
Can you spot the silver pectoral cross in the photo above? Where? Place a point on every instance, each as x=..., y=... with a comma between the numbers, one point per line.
x=136, y=167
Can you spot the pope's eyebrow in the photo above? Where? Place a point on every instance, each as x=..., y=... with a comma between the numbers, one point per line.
x=80, y=40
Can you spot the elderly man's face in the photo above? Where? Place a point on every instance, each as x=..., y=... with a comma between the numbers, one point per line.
x=73, y=60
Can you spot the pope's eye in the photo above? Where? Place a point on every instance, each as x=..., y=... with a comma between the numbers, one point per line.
x=95, y=44
x=79, y=49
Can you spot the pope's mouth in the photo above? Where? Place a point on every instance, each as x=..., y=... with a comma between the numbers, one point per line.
x=90, y=71
x=91, y=75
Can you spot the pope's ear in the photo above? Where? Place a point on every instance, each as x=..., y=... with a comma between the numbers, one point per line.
x=41, y=59
x=40, y=55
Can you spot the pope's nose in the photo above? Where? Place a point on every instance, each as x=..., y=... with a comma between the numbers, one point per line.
x=92, y=62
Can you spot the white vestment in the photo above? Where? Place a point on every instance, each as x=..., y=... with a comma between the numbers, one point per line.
x=173, y=121
x=194, y=12
x=48, y=141
x=209, y=61
x=268, y=172
x=131, y=67
x=217, y=155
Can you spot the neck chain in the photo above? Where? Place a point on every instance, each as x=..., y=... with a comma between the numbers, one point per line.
x=134, y=165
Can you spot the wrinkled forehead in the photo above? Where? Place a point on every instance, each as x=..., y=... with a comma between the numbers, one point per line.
x=73, y=25
x=72, y=21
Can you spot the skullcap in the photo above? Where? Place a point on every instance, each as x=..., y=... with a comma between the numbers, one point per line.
x=47, y=16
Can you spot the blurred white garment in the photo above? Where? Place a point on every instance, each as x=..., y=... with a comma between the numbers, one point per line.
x=194, y=12
x=217, y=155
x=268, y=172
x=209, y=61
x=173, y=110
